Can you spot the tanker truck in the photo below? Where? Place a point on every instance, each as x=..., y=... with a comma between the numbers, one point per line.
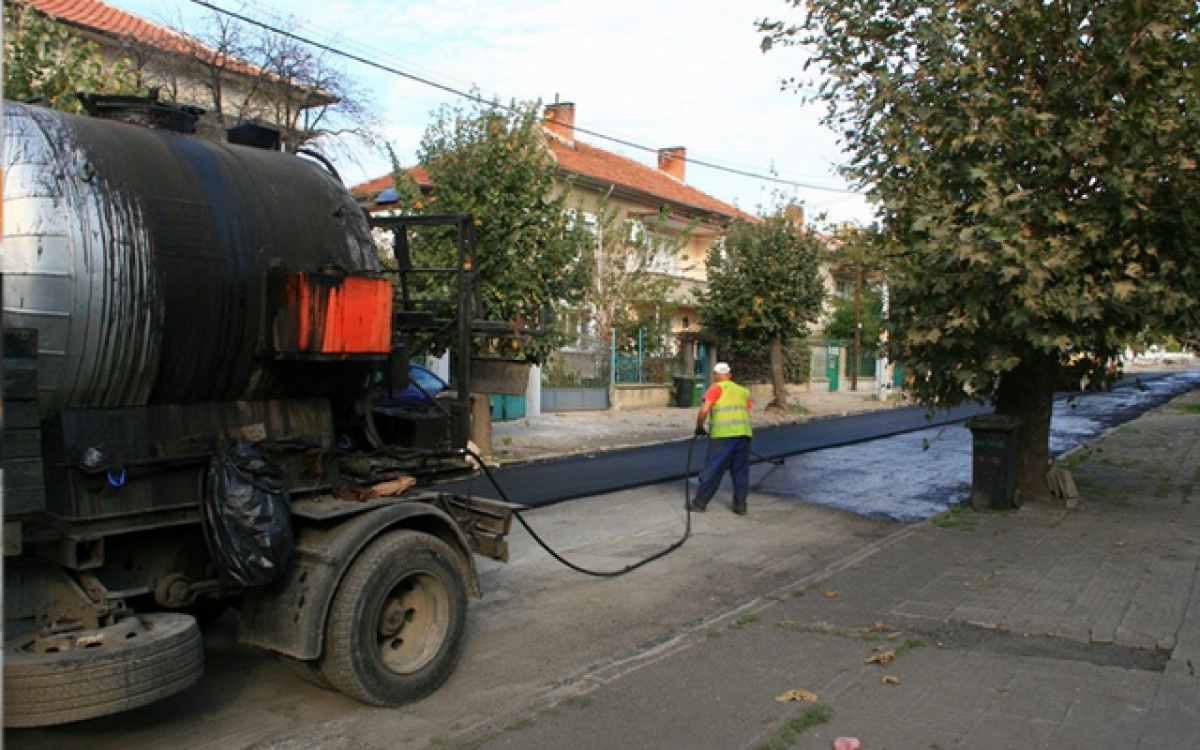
x=205, y=364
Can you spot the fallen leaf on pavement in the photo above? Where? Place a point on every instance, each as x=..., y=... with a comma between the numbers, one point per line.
x=890, y=679
x=830, y=594
x=803, y=696
x=883, y=658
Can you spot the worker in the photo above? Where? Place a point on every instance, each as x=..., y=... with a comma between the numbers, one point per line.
x=730, y=432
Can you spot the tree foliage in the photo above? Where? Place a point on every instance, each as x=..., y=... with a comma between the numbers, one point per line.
x=764, y=288
x=44, y=59
x=848, y=314
x=857, y=259
x=493, y=162
x=1036, y=169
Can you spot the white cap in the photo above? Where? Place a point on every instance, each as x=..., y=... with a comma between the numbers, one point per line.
x=721, y=368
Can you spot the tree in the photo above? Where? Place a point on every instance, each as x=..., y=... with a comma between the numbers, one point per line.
x=45, y=59
x=627, y=294
x=493, y=162
x=1035, y=165
x=242, y=70
x=764, y=289
x=857, y=317
x=864, y=315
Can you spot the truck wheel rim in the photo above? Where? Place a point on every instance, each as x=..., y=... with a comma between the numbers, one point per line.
x=413, y=623
x=79, y=639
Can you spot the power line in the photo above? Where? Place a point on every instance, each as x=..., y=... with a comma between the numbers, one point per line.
x=489, y=103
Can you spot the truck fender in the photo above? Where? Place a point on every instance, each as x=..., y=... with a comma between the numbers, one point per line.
x=288, y=615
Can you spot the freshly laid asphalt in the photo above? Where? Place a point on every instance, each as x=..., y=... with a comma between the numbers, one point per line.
x=1044, y=627
x=544, y=482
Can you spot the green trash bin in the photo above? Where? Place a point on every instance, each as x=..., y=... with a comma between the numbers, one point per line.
x=683, y=391
x=507, y=408
x=994, y=462
x=698, y=392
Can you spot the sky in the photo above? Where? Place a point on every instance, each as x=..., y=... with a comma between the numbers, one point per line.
x=656, y=73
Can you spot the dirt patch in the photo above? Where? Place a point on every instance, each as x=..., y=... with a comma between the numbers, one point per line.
x=959, y=635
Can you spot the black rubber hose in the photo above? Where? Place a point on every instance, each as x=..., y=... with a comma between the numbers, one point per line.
x=687, y=531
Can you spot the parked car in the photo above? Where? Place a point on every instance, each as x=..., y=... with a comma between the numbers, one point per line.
x=419, y=393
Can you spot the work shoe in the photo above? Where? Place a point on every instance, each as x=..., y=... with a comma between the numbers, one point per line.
x=739, y=511
x=693, y=508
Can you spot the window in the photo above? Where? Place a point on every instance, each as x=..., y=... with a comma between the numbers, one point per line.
x=660, y=248
x=578, y=327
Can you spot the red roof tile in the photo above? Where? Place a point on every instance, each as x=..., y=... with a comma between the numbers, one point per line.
x=579, y=158
x=605, y=167
x=103, y=18
x=379, y=184
x=373, y=185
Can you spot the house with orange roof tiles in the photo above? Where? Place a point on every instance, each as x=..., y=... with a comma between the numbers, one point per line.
x=184, y=69
x=643, y=194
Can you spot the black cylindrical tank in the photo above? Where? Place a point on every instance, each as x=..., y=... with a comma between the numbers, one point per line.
x=142, y=256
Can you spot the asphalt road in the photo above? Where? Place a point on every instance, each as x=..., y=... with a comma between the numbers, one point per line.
x=1078, y=416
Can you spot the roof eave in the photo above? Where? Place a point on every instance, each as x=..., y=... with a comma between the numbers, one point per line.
x=634, y=194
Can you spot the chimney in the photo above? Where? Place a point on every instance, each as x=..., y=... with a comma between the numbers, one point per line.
x=795, y=213
x=673, y=161
x=560, y=119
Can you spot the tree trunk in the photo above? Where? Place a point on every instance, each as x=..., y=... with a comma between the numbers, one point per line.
x=1027, y=393
x=778, y=383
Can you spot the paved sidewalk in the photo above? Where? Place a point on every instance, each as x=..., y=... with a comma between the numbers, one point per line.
x=1041, y=628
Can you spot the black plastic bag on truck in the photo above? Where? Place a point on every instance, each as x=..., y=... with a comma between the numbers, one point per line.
x=247, y=521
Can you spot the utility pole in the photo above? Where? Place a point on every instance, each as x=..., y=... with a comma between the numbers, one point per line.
x=858, y=279
x=883, y=383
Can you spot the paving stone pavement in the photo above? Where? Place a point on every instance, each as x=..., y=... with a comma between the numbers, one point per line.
x=1044, y=627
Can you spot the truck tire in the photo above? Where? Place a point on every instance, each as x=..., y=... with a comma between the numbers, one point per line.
x=396, y=624
x=137, y=661
x=307, y=671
